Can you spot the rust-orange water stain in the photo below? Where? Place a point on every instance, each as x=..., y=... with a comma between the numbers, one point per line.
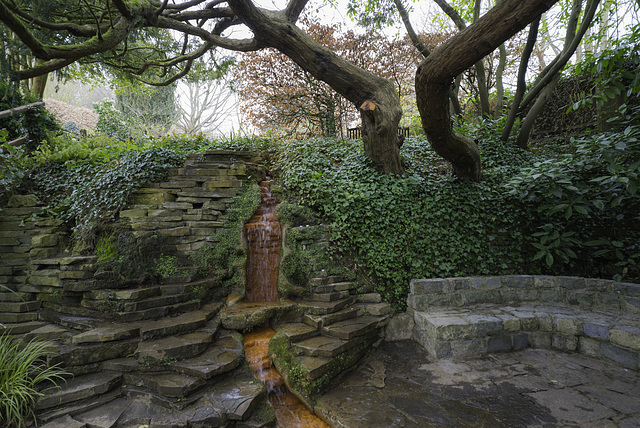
x=290, y=412
x=263, y=234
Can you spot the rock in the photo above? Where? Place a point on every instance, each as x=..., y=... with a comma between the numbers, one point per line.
x=400, y=327
x=17, y=201
x=79, y=388
x=64, y=422
x=179, y=348
x=237, y=396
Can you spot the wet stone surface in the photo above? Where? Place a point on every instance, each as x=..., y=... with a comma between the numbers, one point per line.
x=401, y=386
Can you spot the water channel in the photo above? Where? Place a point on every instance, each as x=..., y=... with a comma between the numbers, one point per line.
x=264, y=235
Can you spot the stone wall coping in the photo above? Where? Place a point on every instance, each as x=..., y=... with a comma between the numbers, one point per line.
x=586, y=293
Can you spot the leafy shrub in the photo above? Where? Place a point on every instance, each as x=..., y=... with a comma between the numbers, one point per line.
x=296, y=267
x=21, y=370
x=12, y=166
x=585, y=206
x=36, y=123
x=166, y=266
x=113, y=122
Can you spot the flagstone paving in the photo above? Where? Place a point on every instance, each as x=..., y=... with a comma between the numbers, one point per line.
x=402, y=386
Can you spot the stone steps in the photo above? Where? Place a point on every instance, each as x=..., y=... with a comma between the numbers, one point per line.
x=330, y=297
x=78, y=389
x=333, y=287
x=20, y=328
x=352, y=328
x=15, y=296
x=318, y=321
x=173, y=348
x=323, y=308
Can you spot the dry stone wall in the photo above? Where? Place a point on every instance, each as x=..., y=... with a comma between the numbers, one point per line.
x=188, y=208
x=184, y=212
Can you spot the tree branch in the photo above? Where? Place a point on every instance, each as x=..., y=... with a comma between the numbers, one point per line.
x=560, y=61
x=239, y=45
x=521, y=82
x=84, y=30
x=122, y=8
x=417, y=43
x=10, y=20
x=294, y=9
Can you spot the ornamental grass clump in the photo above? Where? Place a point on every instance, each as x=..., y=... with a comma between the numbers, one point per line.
x=22, y=368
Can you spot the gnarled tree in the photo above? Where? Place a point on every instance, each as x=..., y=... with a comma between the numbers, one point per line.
x=437, y=71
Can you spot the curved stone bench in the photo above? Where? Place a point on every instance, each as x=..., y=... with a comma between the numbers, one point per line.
x=466, y=317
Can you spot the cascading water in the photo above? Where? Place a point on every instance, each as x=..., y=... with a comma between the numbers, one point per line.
x=263, y=234
x=290, y=412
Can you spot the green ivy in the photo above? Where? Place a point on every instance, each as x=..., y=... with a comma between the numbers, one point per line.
x=398, y=228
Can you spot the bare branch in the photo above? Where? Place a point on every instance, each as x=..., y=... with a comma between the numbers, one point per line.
x=419, y=45
x=240, y=45
x=85, y=30
x=565, y=55
x=294, y=9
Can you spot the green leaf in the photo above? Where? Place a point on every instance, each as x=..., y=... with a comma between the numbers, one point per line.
x=549, y=260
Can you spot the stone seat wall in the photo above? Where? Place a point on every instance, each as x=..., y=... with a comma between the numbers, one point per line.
x=465, y=317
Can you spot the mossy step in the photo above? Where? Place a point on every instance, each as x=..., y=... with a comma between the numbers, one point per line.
x=19, y=307
x=332, y=287
x=121, y=306
x=330, y=297
x=375, y=309
x=81, y=387
x=224, y=354
x=61, y=413
x=323, y=308
x=129, y=294
x=70, y=321
x=48, y=332
x=183, y=323
x=107, y=333
x=179, y=348
x=319, y=321
x=352, y=328
x=20, y=328
x=325, y=346
x=297, y=331
x=314, y=366
x=167, y=384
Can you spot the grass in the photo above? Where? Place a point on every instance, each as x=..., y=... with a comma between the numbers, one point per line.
x=22, y=368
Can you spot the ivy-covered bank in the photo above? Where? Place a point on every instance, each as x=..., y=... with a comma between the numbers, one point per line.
x=533, y=212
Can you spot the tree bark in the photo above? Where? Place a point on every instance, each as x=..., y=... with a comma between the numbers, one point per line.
x=379, y=124
x=435, y=74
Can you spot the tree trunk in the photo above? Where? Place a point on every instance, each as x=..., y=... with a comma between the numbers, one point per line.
x=521, y=82
x=435, y=74
x=481, y=73
x=379, y=124
x=571, y=41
